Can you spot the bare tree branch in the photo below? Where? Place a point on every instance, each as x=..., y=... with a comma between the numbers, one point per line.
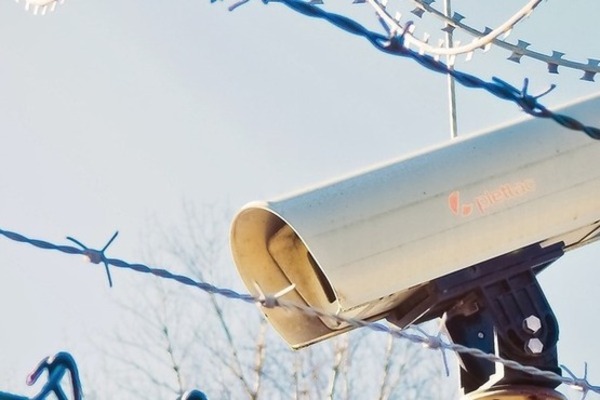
x=384, y=389
x=178, y=339
x=260, y=358
x=174, y=364
x=340, y=351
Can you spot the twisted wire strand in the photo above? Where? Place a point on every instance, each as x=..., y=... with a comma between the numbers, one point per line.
x=394, y=45
x=437, y=343
x=271, y=301
x=161, y=273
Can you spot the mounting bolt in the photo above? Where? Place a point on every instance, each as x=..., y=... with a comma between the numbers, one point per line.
x=534, y=346
x=532, y=324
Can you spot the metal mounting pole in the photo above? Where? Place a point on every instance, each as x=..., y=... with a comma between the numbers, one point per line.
x=451, y=85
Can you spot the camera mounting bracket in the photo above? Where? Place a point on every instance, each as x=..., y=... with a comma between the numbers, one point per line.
x=498, y=307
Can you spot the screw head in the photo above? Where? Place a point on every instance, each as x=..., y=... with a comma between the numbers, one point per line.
x=534, y=346
x=532, y=324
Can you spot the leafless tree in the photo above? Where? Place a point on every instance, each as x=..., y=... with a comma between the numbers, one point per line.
x=179, y=338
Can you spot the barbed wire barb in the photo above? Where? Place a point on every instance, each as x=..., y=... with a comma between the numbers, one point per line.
x=96, y=256
x=436, y=342
x=581, y=384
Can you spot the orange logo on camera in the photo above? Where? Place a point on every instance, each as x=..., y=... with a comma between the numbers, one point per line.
x=489, y=199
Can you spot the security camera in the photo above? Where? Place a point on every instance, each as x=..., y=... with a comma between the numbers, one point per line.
x=460, y=229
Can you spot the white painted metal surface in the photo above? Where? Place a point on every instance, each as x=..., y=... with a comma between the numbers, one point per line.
x=376, y=236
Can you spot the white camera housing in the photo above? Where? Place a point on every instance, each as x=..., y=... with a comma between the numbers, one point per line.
x=359, y=247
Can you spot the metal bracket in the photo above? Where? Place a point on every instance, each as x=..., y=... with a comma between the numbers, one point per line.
x=498, y=307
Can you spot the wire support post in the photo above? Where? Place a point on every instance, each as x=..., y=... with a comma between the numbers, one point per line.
x=451, y=84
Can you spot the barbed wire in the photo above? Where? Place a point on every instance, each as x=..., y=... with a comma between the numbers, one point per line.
x=98, y=256
x=57, y=366
x=41, y=6
x=481, y=41
x=393, y=44
x=434, y=342
x=553, y=61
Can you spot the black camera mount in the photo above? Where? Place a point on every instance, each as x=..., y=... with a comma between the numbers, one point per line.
x=499, y=308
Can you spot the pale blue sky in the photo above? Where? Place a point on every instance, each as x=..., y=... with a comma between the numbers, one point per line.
x=114, y=112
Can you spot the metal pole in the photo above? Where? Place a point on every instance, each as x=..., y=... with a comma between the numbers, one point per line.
x=451, y=85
